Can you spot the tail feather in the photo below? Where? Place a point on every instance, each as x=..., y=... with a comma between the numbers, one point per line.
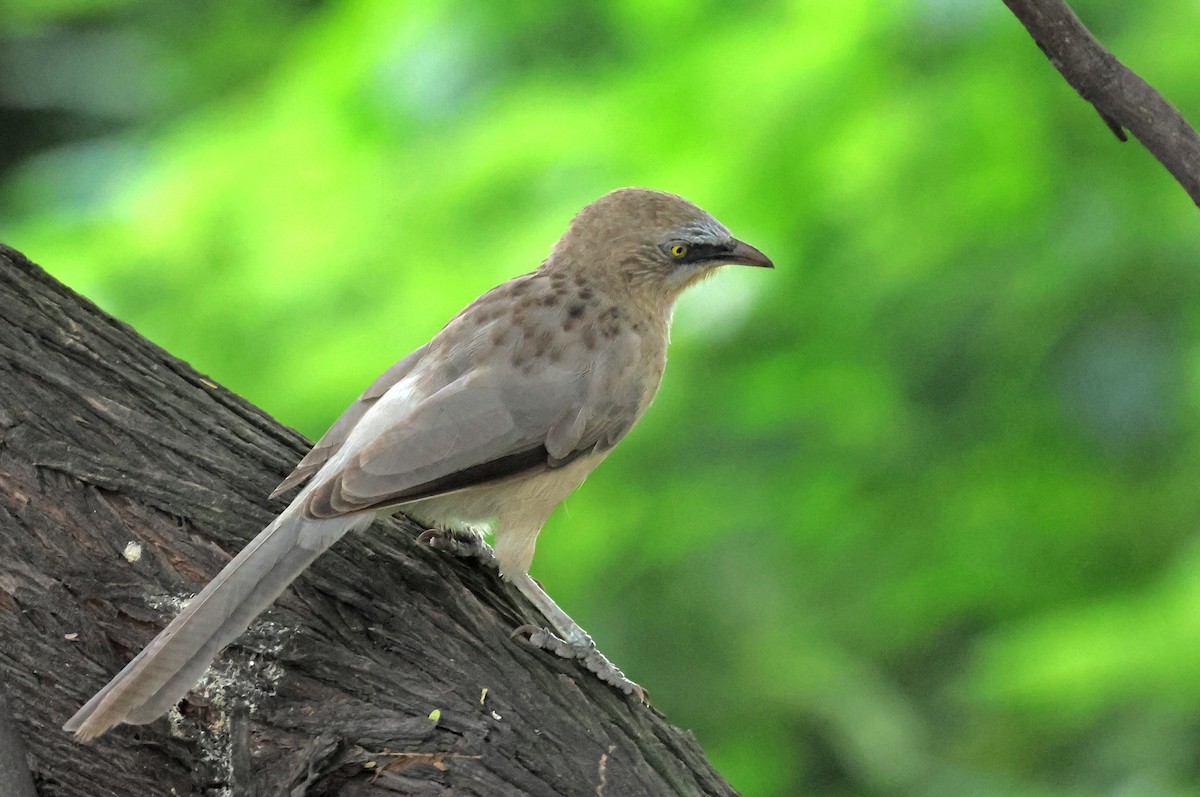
x=162, y=673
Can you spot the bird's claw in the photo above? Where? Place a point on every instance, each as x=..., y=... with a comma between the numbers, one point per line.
x=460, y=542
x=585, y=653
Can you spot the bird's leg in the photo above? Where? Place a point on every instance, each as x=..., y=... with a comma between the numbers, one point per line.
x=574, y=642
x=465, y=542
x=571, y=641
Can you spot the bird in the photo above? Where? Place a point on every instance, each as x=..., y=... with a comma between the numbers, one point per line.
x=489, y=425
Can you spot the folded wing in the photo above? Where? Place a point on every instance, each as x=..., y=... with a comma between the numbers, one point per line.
x=488, y=425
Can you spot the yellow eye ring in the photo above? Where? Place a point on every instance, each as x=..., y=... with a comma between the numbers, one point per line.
x=679, y=250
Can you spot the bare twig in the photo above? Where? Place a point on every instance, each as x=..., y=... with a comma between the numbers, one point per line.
x=1123, y=99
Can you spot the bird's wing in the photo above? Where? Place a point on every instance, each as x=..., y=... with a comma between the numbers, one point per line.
x=333, y=439
x=494, y=422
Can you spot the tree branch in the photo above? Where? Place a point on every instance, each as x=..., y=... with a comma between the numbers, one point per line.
x=15, y=780
x=125, y=477
x=1123, y=99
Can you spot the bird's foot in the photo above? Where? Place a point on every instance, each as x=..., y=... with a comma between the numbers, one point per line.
x=466, y=543
x=584, y=652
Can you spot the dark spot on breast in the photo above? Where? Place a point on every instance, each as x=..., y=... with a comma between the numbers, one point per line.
x=541, y=343
x=576, y=310
x=589, y=338
x=586, y=294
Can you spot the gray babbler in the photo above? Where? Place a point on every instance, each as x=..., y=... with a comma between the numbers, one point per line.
x=491, y=424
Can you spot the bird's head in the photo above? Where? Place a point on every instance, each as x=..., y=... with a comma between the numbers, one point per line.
x=651, y=241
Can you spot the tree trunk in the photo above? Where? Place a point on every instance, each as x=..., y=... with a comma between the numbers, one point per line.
x=127, y=480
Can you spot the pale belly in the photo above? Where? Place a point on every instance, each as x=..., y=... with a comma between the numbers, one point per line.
x=514, y=510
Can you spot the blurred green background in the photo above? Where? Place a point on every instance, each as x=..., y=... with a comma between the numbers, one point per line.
x=915, y=514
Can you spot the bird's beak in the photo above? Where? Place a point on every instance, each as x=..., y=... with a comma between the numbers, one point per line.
x=743, y=254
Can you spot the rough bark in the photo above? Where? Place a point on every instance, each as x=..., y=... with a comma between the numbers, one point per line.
x=127, y=479
x=1123, y=99
x=15, y=778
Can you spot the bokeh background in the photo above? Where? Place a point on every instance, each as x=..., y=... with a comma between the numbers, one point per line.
x=915, y=514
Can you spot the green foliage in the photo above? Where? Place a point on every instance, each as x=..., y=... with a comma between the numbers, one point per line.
x=915, y=514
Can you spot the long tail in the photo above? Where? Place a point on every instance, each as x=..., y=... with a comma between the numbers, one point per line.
x=163, y=673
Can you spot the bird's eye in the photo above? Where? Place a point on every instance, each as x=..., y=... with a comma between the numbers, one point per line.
x=679, y=250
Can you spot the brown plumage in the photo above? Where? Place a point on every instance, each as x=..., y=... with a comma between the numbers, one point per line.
x=492, y=423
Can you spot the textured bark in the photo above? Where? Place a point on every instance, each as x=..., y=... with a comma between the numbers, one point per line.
x=106, y=440
x=15, y=778
x=1122, y=98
